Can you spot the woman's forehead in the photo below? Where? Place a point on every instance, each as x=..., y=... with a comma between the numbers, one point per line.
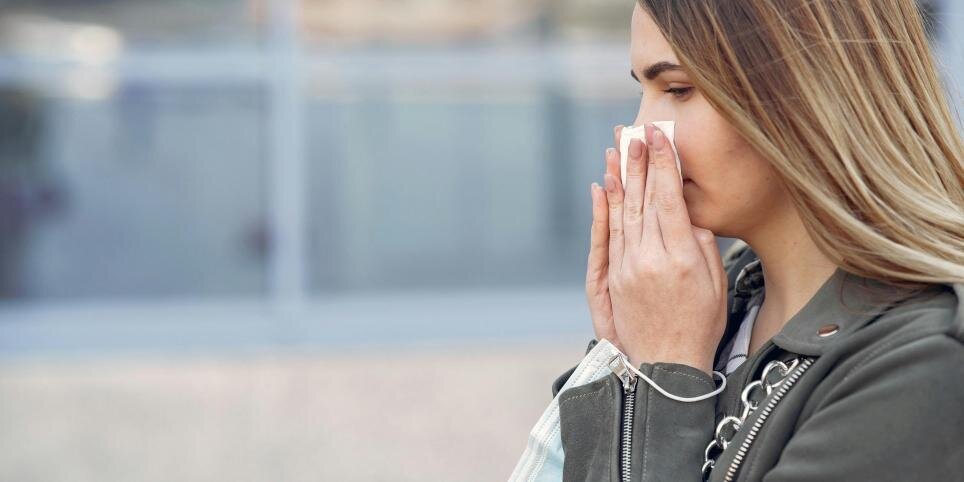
x=647, y=44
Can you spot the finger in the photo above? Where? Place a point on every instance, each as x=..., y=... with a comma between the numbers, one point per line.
x=711, y=253
x=612, y=164
x=613, y=169
x=633, y=201
x=599, y=233
x=674, y=220
x=614, y=197
x=652, y=237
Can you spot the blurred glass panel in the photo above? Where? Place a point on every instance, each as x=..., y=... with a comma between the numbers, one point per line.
x=458, y=166
x=151, y=190
x=78, y=27
x=454, y=22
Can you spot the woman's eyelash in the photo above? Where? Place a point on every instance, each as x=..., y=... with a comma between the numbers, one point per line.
x=676, y=91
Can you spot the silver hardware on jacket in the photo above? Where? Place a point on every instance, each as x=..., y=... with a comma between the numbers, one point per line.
x=629, y=375
x=729, y=425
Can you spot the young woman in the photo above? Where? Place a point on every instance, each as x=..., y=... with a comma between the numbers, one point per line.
x=817, y=133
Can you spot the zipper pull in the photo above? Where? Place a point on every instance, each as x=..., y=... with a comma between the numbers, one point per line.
x=619, y=364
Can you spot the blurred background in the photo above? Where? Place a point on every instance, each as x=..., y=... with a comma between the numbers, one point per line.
x=281, y=240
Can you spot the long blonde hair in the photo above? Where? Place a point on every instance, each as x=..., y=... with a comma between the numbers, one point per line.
x=844, y=99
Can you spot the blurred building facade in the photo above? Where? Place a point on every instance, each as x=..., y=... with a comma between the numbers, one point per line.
x=270, y=154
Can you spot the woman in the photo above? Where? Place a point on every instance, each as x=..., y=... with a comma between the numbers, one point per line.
x=816, y=132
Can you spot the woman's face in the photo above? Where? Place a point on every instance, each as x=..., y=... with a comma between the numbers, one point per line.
x=731, y=190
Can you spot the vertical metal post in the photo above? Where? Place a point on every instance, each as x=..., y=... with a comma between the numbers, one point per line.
x=286, y=163
x=951, y=53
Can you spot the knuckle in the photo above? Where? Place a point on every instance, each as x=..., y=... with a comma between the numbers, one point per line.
x=648, y=262
x=647, y=269
x=595, y=276
x=593, y=292
x=683, y=270
x=615, y=285
x=682, y=264
x=667, y=202
x=633, y=210
x=635, y=165
x=651, y=262
x=704, y=236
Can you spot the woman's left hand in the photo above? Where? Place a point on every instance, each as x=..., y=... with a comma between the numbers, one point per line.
x=666, y=278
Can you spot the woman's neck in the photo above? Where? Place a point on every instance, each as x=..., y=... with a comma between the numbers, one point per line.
x=793, y=270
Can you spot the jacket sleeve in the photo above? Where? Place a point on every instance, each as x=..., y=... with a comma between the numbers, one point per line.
x=898, y=416
x=668, y=436
x=561, y=379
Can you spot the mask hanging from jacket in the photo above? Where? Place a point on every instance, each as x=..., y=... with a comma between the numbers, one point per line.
x=543, y=457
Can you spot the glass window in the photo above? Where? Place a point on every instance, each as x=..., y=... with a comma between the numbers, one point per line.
x=91, y=29
x=153, y=190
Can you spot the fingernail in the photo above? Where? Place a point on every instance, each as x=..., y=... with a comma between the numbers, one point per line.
x=610, y=183
x=610, y=152
x=659, y=140
x=635, y=149
x=649, y=133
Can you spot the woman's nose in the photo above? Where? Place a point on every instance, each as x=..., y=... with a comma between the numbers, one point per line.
x=652, y=113
x=646, y=119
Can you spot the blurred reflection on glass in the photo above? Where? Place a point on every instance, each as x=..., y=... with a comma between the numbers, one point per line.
x=282, y=151
x=125, y=169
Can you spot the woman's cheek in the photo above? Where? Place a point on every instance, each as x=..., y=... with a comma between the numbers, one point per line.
x=698, y=192
x=696, y=206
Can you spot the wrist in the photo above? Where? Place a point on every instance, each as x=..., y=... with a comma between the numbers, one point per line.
x=700, y=364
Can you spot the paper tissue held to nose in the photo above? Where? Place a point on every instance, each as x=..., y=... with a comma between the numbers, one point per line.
x=639, y=132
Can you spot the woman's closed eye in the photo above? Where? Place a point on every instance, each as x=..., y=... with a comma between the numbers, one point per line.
x=678, y=92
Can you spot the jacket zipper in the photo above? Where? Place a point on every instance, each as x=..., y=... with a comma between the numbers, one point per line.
x=618, y=364
x=764, y=413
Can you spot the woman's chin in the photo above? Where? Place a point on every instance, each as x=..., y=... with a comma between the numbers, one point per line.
x=700, y=220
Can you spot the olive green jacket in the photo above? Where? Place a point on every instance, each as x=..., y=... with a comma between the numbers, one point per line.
x=882, y=399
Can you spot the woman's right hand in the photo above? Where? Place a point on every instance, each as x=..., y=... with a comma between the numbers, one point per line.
x=597, y=272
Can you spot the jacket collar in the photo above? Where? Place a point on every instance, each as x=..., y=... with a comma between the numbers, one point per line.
x=844, y=303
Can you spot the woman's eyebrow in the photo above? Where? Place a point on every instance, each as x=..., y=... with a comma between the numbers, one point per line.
x=654, y=70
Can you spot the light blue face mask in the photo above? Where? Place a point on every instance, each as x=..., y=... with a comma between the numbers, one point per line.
x=543, y=456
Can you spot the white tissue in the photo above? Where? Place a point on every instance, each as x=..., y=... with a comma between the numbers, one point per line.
x=639, y=132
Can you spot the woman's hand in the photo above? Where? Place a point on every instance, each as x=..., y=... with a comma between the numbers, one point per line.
x=597, y=272
x=665, y=276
